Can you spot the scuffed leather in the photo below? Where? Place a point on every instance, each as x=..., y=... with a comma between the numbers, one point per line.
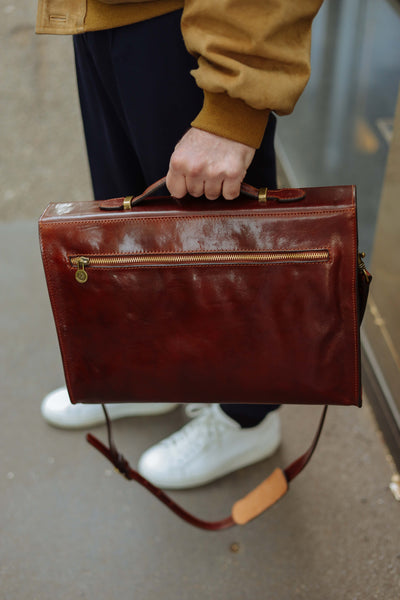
x=277, y=333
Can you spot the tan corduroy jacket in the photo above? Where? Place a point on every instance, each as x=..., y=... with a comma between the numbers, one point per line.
x=253, y=55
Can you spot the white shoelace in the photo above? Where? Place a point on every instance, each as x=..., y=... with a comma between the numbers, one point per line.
x=194, y=410
x=194, y=435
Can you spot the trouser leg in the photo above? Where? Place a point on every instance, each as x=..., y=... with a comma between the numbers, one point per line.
x=114, y=165
x=137, y=100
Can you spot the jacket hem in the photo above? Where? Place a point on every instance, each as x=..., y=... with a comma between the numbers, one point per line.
x=232, y=118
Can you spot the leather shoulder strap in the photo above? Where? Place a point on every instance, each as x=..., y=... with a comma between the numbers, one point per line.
x=243, y=511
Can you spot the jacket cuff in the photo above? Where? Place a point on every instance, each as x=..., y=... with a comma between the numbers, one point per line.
x=232, y=118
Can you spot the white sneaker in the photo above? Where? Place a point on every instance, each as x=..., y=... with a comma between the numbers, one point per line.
x=208, y=447
x=58, y=411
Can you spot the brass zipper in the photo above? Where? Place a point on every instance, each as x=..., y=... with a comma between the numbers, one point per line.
x=81, y=262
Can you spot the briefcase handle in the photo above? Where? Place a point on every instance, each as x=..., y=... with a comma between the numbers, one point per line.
x=159, y=190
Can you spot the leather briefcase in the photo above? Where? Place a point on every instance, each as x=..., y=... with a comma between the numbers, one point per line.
x=255, y=300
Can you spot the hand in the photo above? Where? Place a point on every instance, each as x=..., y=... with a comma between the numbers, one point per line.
x=204, y=163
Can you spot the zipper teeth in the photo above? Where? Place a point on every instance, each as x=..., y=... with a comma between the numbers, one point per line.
x=309, y=255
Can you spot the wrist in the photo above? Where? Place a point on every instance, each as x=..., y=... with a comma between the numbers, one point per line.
x=232, y=118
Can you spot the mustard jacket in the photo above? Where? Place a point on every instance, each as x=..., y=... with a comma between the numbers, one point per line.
x=253, y=55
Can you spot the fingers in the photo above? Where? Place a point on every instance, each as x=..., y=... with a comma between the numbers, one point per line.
x=231, y=188
x=195, y=186
x=176, y=184
x=213, y=188
x=179, y=185
x=206, y=164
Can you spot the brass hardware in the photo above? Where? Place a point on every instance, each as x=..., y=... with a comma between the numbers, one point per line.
x=263, y=195
x=127, y=202
x=362, y=267
x=186, y=258
x=81, y=276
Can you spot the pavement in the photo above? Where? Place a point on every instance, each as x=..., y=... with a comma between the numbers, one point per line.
x=70, y=526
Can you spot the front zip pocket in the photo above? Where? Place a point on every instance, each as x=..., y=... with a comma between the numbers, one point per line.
x=81, y=263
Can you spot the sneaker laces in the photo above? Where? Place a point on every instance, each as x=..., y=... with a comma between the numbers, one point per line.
x=195, y=435
x=194, y=409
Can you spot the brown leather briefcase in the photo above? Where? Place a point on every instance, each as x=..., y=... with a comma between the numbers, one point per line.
x=255, y=300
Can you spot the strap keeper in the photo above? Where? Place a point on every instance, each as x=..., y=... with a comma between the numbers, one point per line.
x=261, y=498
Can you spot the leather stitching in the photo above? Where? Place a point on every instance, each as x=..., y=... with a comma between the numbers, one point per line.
x=147, y=217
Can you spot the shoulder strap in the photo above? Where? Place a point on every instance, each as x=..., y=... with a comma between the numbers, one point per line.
x=243, y=511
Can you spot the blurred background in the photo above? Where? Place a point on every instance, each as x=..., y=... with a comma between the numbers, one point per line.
x=342, y=131
x=72, y=528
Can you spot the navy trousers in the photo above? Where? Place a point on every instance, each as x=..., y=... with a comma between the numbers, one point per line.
x=137, y=100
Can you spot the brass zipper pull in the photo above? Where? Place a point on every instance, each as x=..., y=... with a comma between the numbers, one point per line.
x=81, y=275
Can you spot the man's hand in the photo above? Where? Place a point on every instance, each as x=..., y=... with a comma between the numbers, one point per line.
x=204, y=163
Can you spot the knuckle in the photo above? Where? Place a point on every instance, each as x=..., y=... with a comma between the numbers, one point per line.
x=177, y=162
x=195, y=169
x=233, y=172
x=215, y=172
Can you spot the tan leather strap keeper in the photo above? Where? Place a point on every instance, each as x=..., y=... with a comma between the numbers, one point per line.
x=261, y=498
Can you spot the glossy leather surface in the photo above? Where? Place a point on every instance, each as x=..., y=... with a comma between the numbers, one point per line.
x=266, y=333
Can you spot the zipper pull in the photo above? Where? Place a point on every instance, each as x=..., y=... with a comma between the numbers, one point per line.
x=362, y=267
x=81, y=275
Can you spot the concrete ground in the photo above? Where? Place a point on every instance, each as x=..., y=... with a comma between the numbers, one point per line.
x=70, y=527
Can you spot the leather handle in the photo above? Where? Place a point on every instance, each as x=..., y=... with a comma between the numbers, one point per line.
x=159, y=190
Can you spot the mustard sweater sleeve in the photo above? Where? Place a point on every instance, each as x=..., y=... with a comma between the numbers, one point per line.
x=253, y=58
